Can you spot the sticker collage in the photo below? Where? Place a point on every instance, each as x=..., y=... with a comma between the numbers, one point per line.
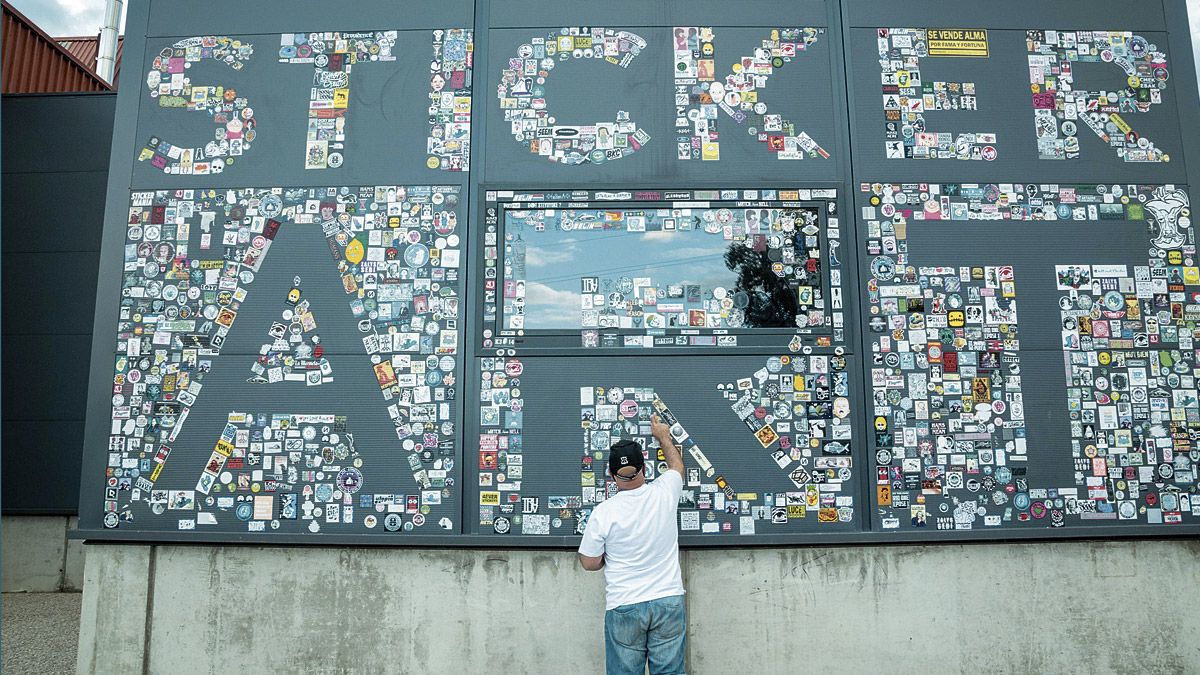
x=951, y=445
x=775, y=273
x=468, y=304
x=191, y=260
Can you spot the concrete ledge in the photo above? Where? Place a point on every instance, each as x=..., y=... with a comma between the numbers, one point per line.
x=1063, y=607
x=73, y=562
x=112, y=626
x=1096, y=607
x=362, y=610
x=34, y=553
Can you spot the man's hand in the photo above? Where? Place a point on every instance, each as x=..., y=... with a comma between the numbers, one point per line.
x=662, y=433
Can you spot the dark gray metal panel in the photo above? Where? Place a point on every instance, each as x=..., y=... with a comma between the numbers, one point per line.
x=547, y=13
x=1005, y=109
x=58, y=133
x=1033, y=248
x=1186, y=86
x=42, y=376
x=219, y=17
x=34, y=202
x=49, y=293
x=1016, y=14
x=1004, y=106
x=54, y=177
x=41, y=467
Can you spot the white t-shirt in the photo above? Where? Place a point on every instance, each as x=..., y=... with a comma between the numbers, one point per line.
x=636, y=532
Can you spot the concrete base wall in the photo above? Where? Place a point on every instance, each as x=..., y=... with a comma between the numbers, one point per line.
x=38, y=557
x=1091, y=607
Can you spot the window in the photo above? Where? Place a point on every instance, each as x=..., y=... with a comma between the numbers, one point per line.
x=690, y=268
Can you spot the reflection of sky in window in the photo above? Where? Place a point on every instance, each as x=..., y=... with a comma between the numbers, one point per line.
x=555, y=260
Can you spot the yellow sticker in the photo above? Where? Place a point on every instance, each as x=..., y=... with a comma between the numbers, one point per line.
x=883, y=495
x=432, y=162
x=958, y=42
x=354, y=251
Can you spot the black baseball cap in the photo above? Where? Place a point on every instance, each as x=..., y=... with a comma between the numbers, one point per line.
x=625, y=453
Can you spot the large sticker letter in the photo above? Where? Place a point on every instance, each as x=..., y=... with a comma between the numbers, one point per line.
x=234, y=118
x=1059, y=106
x=946, y=373
x=798, y=409
x=522, y=95
x=332, y=55
x=1129, y=352
x=396, y=251
x=906, y=97
x=698, y=94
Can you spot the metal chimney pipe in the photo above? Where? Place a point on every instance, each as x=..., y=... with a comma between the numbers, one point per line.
x=106, y=55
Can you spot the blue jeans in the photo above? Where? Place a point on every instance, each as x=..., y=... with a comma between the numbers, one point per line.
x=655, y=629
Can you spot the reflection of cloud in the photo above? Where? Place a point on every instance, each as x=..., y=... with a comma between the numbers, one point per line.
x=541, y=257
x=658, y=236
x=547, y=307
x=697, y=252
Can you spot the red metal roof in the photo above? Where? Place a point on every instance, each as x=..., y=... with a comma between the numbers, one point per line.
x=85, y=49
x=34, y=63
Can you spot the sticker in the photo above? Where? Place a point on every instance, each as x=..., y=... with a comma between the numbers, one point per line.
x=958, y=42
x=294, y=352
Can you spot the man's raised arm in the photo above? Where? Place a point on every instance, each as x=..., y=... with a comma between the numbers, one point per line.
x=671, y=453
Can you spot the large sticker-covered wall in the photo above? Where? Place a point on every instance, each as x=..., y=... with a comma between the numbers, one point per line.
x=404, y=278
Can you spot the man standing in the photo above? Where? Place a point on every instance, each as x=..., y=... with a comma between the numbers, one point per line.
x=634, y=537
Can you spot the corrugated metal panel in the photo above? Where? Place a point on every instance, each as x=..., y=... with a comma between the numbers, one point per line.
x=33, y=62
x=85, y=49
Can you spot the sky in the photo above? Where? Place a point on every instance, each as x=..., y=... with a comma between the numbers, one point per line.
x=82, y=17
x=62, y=18
x=555, y=261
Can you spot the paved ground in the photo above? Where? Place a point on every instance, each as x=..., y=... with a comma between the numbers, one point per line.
x=40, y=632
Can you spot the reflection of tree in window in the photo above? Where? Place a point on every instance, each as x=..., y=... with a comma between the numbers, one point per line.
x=771, y=298
x=768, y=296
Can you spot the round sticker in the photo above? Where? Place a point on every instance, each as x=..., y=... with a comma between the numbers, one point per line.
x=416, y=255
